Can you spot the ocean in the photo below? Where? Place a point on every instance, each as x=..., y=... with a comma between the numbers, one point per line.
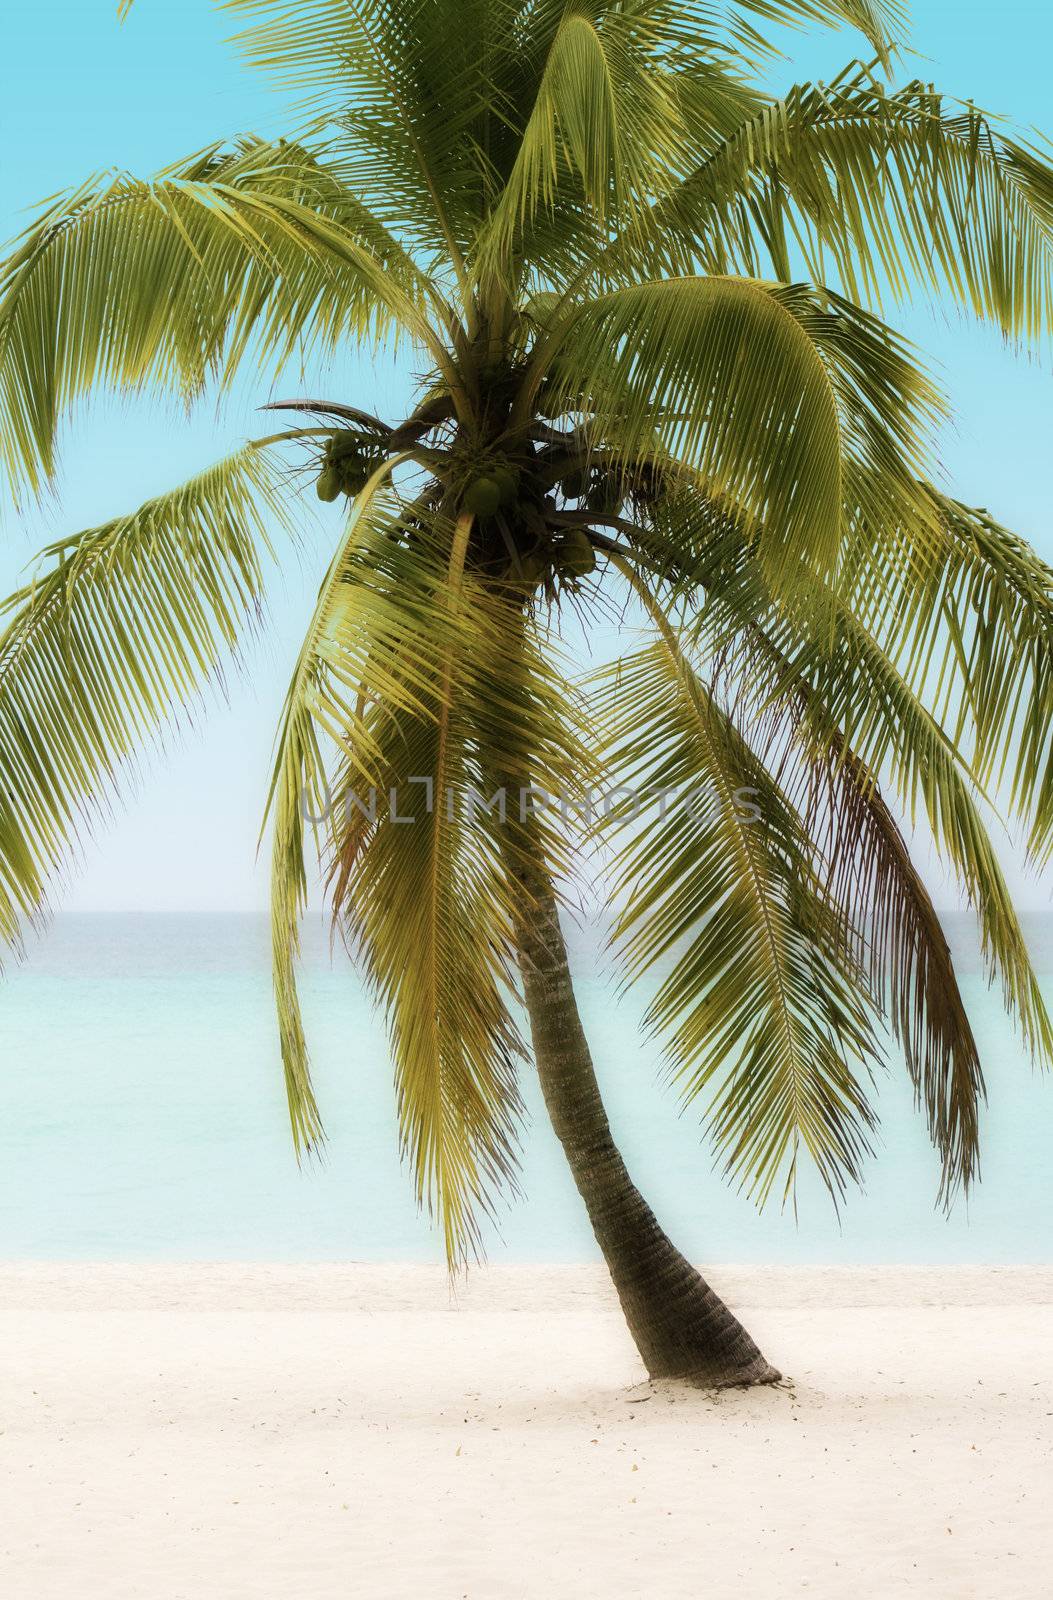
x=142, y=1117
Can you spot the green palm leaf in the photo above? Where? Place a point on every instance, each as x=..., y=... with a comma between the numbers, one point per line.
x=762, y=1007
x=773, y=394
x=258, y=254
x=864, y=860
x=405, y=704
x=969, y=616
x=121, y=626
x=891, y=190
x=418, y=89
x=798, y=705
x=858, y=694
x=319, y=706
x=880, y=21
x=605, y=117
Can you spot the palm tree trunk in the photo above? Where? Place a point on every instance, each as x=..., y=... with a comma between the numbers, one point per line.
x=681, y=1328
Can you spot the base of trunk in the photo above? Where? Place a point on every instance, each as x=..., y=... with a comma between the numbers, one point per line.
x=758, y=1372
x=681, y=1388
x=682, y=1328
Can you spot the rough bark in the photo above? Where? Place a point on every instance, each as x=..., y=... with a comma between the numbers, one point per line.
x=681, y=1327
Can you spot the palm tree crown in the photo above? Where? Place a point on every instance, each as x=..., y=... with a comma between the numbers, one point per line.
x=646, y=302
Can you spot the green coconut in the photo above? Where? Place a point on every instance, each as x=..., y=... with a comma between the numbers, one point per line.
x=346, y=445
x=532, y=567
x=507, y=480
x=573, y=485
x=604, y=493
x=483, y=496
x=576, y=553
x=345, y=442
x=328, y=485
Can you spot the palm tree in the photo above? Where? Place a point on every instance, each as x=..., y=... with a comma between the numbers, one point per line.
x=645, y=299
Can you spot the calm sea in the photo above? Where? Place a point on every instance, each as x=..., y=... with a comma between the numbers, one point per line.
x=142, y=1116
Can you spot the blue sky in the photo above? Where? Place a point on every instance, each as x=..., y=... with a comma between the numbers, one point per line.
x=80, y=93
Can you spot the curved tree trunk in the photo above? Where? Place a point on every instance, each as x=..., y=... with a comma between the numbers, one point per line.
x=681, y=1328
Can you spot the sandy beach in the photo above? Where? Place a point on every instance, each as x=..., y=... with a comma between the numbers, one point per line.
x=217, y=1432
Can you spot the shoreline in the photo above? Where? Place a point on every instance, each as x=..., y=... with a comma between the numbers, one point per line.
x=417, y=1286
x=233, y=1431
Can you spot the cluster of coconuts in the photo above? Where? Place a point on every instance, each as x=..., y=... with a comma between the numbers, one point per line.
x=497, y=489
x=347, y=463
x=572, y=556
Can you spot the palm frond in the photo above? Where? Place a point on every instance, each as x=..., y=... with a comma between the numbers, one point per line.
x=969, y=618
x=605, y=117
x=773, y=394
x=795, y=697
x=172, y=283
x=858, y=693
x=883, y=192
x=887, y=725
x=404, y=704
x=881, y=22
x=904, y=952
x=419, y=89
x=122, y=625
x=865, y=864
x=315, y=712
x=763, y=1006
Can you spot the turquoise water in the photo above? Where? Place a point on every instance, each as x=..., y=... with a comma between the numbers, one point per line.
x=142, y=1116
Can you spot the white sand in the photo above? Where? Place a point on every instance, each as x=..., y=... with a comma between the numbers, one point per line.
x=222, y=1432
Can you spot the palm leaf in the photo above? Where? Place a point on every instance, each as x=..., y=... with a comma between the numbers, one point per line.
x=315, y=705
x=858, y=693
x=796, y=708
x=405, y=676
x=258, y=253
x=883, y=191
x=880, y=21
x=763, y=1006
x=604, y=116
x=416, y=89
x=123, y=624
x=969, y=618
x=773, y=394
x=865, y=863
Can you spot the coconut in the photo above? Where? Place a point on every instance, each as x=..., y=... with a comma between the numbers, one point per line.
x=507, y=480
x=576, y=554
x=344, y=443
x=605, y=493
x=532, y=567
x=483, y=496
x=328, y=485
